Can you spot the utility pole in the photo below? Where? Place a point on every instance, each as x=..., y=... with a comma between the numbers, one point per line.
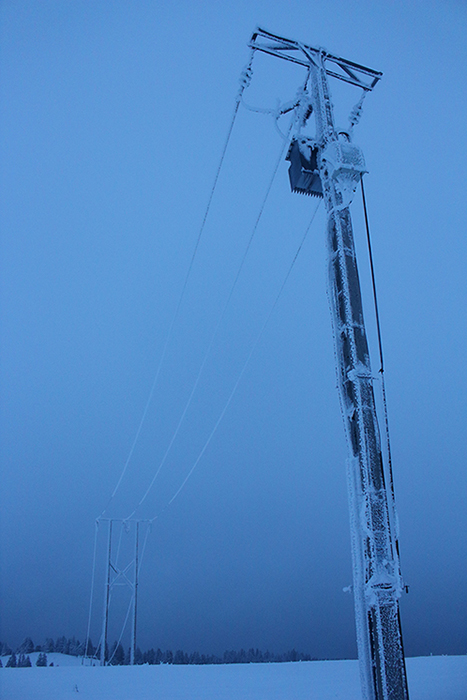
x=118, y=575
x=331, y=166
x=135, y=599
x=105, y=619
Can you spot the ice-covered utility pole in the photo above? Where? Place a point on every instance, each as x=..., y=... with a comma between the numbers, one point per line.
x=331, y=166
x=118, y=575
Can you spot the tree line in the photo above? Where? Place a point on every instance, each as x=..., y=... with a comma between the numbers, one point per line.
x=116, y=655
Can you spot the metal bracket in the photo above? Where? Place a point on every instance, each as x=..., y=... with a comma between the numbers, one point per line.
x=303, y=55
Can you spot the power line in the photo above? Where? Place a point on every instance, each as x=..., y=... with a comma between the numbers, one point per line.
x=380, y=347
x=219, y=322
x=258, y=338
x=373, y=279
x=237, y=382
x=245, y=79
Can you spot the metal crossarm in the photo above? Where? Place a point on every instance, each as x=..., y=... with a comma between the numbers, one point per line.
x=296, y=52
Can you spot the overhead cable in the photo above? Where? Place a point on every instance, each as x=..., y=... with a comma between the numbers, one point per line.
x=123, y=628
x=380, y=346
x=219, y=322
x=250, y=354
x=245, y=79
x=245, y=365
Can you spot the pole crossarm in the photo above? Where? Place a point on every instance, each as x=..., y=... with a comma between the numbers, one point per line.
x=124, y=520
x=296, y=52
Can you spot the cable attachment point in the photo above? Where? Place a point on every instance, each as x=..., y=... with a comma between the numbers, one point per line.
x=304, y=107
x=356, y=112
x=246, y=76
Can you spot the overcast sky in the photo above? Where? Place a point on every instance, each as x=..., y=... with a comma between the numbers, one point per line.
x=113, y=119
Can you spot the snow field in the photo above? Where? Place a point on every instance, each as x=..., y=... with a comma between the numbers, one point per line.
x=430, y=678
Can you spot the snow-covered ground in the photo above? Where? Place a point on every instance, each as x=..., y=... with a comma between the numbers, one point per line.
x=430, y=678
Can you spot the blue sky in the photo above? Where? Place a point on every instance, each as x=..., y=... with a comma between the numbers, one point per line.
x=113, y=120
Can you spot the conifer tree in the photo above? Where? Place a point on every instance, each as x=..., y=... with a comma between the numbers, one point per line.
x=11, y=663
x=49, y=646
x=60, y=645
x=26, y=646
x=119, y=656
x=5, y=650
x=23, y=661
x=41, y=659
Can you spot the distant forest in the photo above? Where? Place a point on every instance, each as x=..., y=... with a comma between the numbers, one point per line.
x=116, y=655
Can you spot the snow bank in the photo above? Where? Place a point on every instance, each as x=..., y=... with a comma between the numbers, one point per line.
x=432, y=678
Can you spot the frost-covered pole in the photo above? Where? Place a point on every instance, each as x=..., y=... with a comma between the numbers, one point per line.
x=135, y=599
x=105, y=620
x=376, y=572
x=329, y=165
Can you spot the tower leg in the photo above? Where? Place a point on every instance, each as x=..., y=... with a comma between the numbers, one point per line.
x=135, y=600
x=105, y=621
